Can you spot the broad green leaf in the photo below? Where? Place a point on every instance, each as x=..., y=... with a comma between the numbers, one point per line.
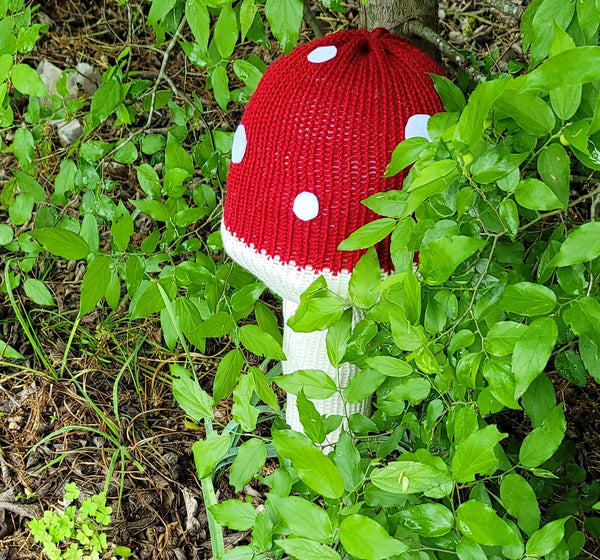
x=176, y=156
x=347, y=459
x=220, y=84
x=303, y=518
x=194, y=400
x=146, y=300
x=452, y=97
x=260, y=342
x=198, y=19
x=429, y=519
x=305, y=549
x=406, y=336
x=501, y=381
x=285, y=18
x=405, y=154
x=148, y=180
x=580, y=65
x=23, y=148
x=434, y=176
x=520, y=501
x=158, y=10
x=532, y=352
x=363, y=384
x=570, y=365
x=476, y=454
x=216, y=325
x=510, y=216
x=413, y=477
x=317, y=314
x=582, y=245
x=234, y=514
x=389, y=366
x=208, y=452
x=554, y=167
x=337, y=338
x=542, y=442
x=263, y=388
x=368, y=235
x=244, y=411
x=121, y=229
x=502, y=337
x=481, y=524
x=546, y=539
x=27, y=80
x=226, y=31
x=539, y=400
x=62, y=243
x=248, y=10
x=472, y=120
x=94, y=283
x=469, y=550
x=366, y=539
x=583, y=316
x=365, y=278
x=534, y=194
x=312, y=422
x=248, y=73
x=37, y=292
x=529, y=111
x=267, y=320
x=566, y=100
x=440, y=258
x=411, y=389
x=105, y=100
x=6, y=234
x=316, y=384
x=249, y=460
x=314, y=469
x=527, y=298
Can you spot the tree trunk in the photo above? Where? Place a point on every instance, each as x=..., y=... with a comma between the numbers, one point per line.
x=395, y=16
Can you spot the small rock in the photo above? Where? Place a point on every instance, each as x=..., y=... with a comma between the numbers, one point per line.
x=51, y=74
x=87, y=77
x=69, y=132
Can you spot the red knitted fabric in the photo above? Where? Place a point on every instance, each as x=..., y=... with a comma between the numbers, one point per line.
x=324, y=120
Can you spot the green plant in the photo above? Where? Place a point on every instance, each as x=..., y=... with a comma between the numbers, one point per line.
x=75, y=534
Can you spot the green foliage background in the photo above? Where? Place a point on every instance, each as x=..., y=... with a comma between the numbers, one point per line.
x=498, y=207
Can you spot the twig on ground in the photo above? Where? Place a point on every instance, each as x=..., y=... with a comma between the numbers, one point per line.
x=506, y=7
x=312, y=20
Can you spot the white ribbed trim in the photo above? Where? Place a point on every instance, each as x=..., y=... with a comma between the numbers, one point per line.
x=287, y=280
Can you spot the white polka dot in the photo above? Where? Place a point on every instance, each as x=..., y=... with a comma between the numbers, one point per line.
x=238, y=149
x=322, y=54
x=306, y=206
x=417, y=126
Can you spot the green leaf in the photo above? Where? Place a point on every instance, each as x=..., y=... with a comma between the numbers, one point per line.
x=582, y=245
x=105, y=100
x=481, y=523
x=389, y=366
x=413, y=477
x=317, y=314
x=440, y=258
x=520, y=501
x=23, y=146
x=546, y=539
x=477, y=454
x=234, y=514
x=312, y=422
x=566, y=100
x=250, y=458
x=502, y=337
x=248, y=73
x=365, y=278
x=198, y=19
x=220, y=84
x=146, y=300
x=337, y=338
x=580, y=65
x=529, y=299
x=405, y=154
x=406, y=336
x=244, y=412
x=158, y=10
x=542, y=442
x=364, y=538
x=501, y=381
x=122, y=229
x=208, y=452
x=428, y=519
x=529, y=111
x=347, y=460
x=194, y=400
x=6, y=234
x=554, y=167
x=62, y=243
x=583, y=316
x=285, y=19
x=303, y=518
x=37, y=292
x=570, y=365
x=434, y=177
x=260, y=342
x=226, y=31
x=510, y=216
x=314, y=469
x=533, y=194
x=248, y=12
x=27, y=80
x=368, y=235
x=316, y=384
x=451, y=95
x=263, y=389
x=469, y=550
x=411, y=389
x=176, y=157
x=7, y=351
x=532, y=352
x=305, y=549
x=94, y=283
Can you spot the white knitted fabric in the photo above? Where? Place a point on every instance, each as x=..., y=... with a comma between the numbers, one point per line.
x=302, y=350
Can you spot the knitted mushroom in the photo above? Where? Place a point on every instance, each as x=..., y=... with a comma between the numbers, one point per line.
x=313, y=143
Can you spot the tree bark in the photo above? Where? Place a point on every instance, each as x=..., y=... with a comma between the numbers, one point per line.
x=396, y=15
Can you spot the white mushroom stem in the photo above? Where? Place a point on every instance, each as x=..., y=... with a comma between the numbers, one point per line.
x=309, y=351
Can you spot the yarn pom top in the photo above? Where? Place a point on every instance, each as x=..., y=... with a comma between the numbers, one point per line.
x=314, y=142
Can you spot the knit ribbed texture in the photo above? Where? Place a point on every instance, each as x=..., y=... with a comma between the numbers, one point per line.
x=328, y=129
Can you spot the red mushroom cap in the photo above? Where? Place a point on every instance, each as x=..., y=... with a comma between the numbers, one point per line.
x=315, y=140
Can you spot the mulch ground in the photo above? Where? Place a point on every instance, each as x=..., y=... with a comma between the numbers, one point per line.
x=126, y=404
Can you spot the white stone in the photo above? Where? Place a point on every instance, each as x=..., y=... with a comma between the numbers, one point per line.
x=238, y=149
x=306, y=206
x=322, y=54
x=416, y=126
x=87, y=78
x=68, y=132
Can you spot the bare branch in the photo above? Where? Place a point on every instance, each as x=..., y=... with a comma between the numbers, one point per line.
x=506, y=7
x=312, y=20
x=415, y=27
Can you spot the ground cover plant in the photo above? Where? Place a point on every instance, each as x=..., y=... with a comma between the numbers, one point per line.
x=118, y=300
